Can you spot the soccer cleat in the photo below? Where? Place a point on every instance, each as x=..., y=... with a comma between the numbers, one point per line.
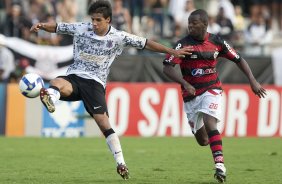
x=122, y=170
x=220, y=172
x=46, y=100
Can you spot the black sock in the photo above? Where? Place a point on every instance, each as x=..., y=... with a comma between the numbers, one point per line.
x=108, y=132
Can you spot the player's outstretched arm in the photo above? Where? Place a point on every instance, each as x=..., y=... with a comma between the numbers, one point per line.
x=256, y=87
x=49, y=27
x=157, y=47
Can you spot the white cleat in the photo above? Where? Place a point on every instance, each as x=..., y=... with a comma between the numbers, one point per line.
x=220, y=173
x=46, y=100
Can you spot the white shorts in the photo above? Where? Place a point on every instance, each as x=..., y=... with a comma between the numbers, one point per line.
x=208, y=103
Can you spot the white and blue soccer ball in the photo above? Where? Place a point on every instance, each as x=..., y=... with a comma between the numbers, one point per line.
x=30, y=85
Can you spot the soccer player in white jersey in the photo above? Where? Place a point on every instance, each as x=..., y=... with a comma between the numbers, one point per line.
x=96, y=44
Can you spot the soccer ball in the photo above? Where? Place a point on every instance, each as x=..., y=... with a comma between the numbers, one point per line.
x=30, y=85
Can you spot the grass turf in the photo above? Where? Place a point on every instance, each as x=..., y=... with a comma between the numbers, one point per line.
x=164, y=160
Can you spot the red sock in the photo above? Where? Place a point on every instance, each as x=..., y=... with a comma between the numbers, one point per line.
x=216, y=146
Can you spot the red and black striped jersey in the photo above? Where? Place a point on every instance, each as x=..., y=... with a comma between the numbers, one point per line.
x=199, y=68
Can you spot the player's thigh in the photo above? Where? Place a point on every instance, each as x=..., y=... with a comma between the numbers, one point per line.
x=210, y=122
x=194, y=116
x=64, y=86
x=93, y=95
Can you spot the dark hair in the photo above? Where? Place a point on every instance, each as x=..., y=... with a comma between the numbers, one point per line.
x=101, y=6
x=203, y=15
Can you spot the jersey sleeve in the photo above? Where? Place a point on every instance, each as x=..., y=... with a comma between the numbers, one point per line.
x=133, y=40
x=69, y=28
x=171, y=59
x=228, y=52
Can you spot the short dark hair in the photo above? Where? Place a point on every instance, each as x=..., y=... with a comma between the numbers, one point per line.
x=101, y=6
x=203, y=15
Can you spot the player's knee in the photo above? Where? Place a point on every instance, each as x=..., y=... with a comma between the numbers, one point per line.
x=63, y=86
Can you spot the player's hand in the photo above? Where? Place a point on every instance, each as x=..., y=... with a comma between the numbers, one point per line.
x=184, y=51
x=258, y=89
x=189, y=89
x=36, y=27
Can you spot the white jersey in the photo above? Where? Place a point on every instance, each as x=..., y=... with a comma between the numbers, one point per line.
x=93, y=54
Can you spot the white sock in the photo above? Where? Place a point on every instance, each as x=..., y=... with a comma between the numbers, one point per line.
x=115, y=147
x=54, y=94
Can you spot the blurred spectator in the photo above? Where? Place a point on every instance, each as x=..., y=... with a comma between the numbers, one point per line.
x=260, y=8
x=175, y=9
x=148, y=28
x=256, y=8
x=121, y=17
x=276, y=7
x=188, y=9
x=145, y=17
x=213, y=27
x=7, y=64
x=15, y=22
x=122, y=20
x=136, y=8
x=157, y=13
x=3, y=12
x=258, y=35
x=212, y=7
x=239, y=22
x=177, y=34
x=39, y=9
x=225, y=24
x=136, y=11
x=45, y=38
x=228, y=8
x=239, y=27
x=66, y=10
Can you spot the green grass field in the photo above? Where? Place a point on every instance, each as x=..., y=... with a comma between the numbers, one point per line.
x=150, y=161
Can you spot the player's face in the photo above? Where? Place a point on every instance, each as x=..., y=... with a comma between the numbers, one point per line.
x=196, y=27
x=100, y=24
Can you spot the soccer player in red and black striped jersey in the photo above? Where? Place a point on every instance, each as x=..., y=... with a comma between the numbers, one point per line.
x=201, y=87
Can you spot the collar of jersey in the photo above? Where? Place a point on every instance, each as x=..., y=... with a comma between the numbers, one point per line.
x=104, y=34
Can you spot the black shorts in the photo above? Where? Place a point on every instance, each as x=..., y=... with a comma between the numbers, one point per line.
x=91, y=92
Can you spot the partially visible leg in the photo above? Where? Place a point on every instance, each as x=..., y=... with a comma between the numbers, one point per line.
x=93, y=94
x=215, y=142
x=202, y=137
x=62, y=86
x=113, y=142
x=112, y=139
x=197, y=125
